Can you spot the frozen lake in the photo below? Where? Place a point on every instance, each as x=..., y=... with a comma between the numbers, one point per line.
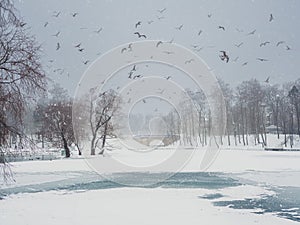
x=252, y=187
x=283, y=202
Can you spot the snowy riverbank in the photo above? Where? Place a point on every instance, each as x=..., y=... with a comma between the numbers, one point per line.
x=67, y=191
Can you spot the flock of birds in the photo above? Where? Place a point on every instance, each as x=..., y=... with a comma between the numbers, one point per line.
x=223, y=54
x=77, y=46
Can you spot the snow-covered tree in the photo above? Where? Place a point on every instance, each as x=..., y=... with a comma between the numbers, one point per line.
x=55, y=117
x=21, y=75
x=101, y=109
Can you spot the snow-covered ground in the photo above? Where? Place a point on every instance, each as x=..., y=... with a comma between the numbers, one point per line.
x=236, y=189
x=125, y=206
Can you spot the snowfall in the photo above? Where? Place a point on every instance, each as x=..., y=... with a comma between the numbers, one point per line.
x=243, y=185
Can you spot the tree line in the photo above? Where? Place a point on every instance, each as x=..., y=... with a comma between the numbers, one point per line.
x=251, y=108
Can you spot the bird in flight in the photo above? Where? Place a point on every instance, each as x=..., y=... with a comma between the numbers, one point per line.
x=161, y=91
x=57, y=70
x=288, y=48
x=56, y=14
x=158, y=43
x=189, y=61
x=236, y=59
x=200, y=32
x=46, y=24
x=279, y=43
x=130, y=47
x=130, y=74
x=99, y=30
x=162, y=10
x=209, y=15
x=78, y=45
x=133, y=68
x=57, y=46
x=160, y=17
x=140, y=35
x=123, y=50
x=168, y=77
x=239, y=45
x=245, y=63
x=252, y=32
x=22, y=24
x=267, y=80
x=81, y=49
x=168, y=53
x=221, y=27
x=261, y=59
x=74, y=14
x=171, y=41
x=56, y=35
x=199, y=49
x=271, y=18
x=138, y=24
x=86, y=62
x=180, y=27
x=224, y=56
x=264, y=43
x=144, y=100
x=137, y=76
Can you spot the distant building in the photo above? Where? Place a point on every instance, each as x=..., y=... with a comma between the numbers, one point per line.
x=272, y=129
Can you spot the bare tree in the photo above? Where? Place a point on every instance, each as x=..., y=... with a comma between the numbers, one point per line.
x=80, y=126
x=8, y=13
x=229, y=101
x=21, y=74
x=56, y=116
x=294, y=96
x=102, y=108
x=273, y=98
x=172, y=122
x=251, y=97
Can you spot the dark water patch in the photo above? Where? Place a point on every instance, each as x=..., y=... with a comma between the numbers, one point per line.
x=199, y=180
x=87, y=181
x=179, y=180
x=285, y=203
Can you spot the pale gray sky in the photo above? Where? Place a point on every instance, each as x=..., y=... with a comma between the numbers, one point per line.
x=118, y=19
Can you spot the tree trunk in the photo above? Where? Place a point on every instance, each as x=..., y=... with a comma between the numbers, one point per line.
x=238, y=131
x=235, y=141
x=291, y=130
x=284, y=130
x=79, y=151
x=227, y=129
x=104, y=135
x=298, y=118
x=204, y=132
x=243, y=125
x=199, y=128
x=68, y=154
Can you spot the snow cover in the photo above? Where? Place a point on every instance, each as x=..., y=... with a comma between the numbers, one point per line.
x=125, y=206
x=131, y=205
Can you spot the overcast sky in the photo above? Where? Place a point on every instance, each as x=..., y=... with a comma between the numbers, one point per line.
x=118, y=18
